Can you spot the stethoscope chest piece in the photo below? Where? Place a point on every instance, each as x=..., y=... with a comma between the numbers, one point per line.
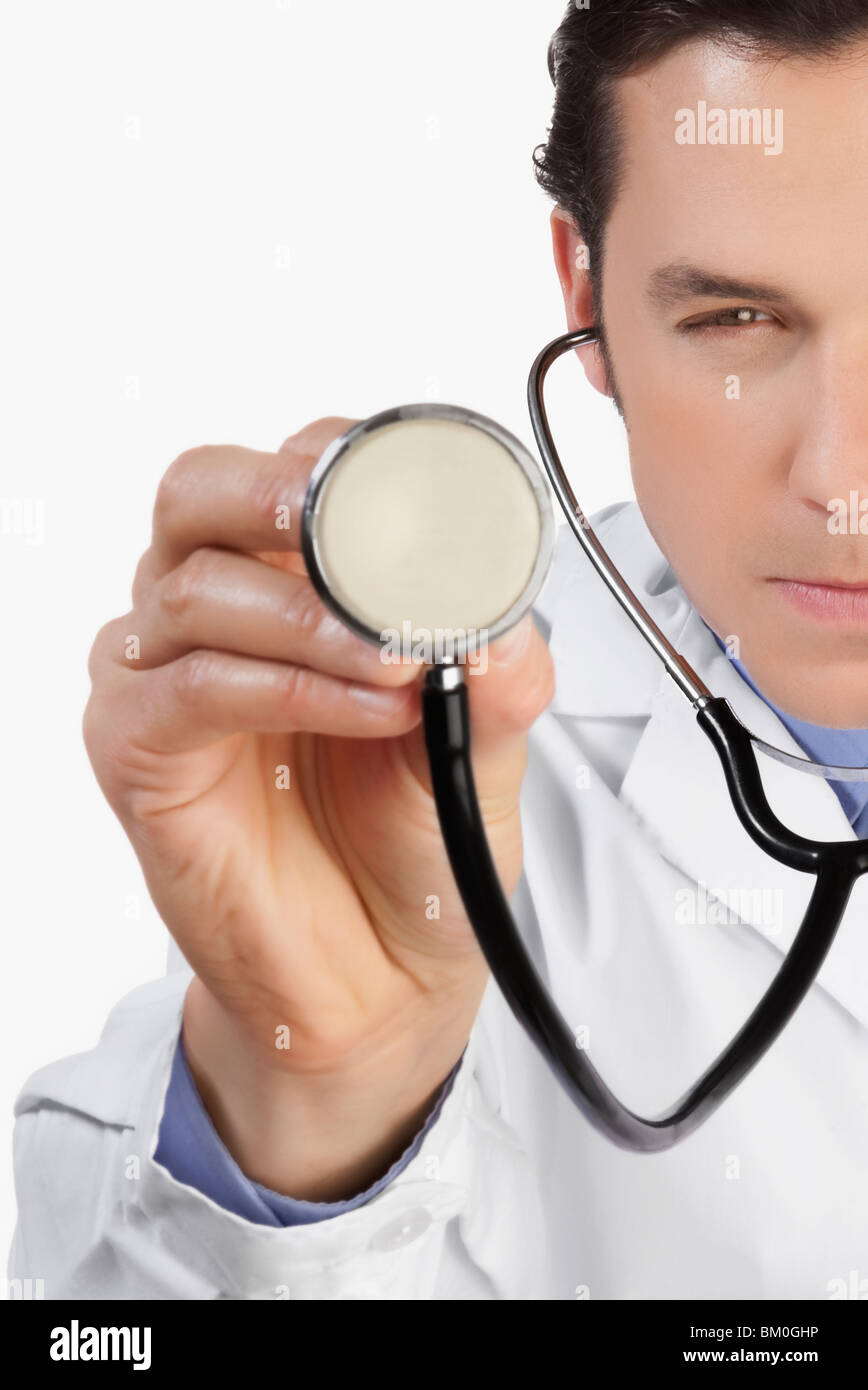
x=428, y=518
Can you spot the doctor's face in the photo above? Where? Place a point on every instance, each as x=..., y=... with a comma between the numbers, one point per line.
x=735, y=301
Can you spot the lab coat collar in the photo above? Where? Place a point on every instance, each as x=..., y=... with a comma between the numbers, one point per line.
x=603, y=666
x=674, y=784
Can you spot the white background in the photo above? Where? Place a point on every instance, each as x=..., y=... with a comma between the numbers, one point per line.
x=223, y=220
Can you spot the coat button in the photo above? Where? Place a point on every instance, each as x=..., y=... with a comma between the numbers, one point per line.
x=402, y=1230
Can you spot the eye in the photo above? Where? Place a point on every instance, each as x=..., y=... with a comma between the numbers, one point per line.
x=738, y=317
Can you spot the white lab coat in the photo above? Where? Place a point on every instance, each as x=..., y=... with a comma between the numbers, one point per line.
x=659, y=923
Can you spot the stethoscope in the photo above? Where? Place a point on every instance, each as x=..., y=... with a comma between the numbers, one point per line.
x=366, y=595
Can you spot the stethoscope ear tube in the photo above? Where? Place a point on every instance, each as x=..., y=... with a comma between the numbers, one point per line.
x=735, y=746
x=446, y=718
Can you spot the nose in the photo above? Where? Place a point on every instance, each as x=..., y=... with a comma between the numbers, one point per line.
x=831, y=462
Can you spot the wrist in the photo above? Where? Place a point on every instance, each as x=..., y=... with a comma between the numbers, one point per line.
x=317, y=1134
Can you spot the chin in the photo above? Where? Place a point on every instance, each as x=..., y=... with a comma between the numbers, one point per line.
x=830, y=697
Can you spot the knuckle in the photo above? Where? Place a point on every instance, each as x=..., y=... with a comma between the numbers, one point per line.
x=316, y=434
x=193, y=460
x=143, y=577
x=166, y=500
x=190, y=678
x=176, y=480
x=268, y=489
x=107, y=639
x=307, y=613
x=295, y=685
x=182, y=587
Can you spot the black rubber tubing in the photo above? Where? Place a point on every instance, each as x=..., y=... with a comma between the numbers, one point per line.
x=837, y=867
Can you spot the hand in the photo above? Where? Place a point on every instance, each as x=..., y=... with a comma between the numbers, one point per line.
x=270, y=772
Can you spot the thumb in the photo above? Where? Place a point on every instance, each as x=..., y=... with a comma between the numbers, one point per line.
x=507, y=692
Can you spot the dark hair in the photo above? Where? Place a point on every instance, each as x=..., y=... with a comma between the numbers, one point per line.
x=579, y=165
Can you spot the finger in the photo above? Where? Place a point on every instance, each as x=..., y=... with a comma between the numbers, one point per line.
x=222, y=599
x=513, y=687
x=209, y=695
x=314, y=437
x=149, y=571
x=243, y=499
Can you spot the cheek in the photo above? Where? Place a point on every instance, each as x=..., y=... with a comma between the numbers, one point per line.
x=690, y=489
x=675, y=453
x=711, y=431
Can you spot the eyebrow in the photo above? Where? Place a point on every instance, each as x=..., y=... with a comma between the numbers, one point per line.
x=671, y=284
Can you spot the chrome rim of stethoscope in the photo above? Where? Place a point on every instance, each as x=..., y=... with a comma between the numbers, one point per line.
x=312, y=552
x=678, y=667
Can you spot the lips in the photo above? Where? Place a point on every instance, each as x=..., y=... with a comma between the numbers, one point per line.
x=826, y=602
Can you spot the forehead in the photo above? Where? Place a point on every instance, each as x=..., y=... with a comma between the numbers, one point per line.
x=723, y=194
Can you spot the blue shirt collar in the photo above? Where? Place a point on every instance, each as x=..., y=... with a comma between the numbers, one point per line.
x=841, y=747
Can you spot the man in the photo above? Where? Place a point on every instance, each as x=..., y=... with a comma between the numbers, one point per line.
x=352, y=1111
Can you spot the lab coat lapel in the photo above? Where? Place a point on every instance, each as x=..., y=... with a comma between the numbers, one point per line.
x=674, y=786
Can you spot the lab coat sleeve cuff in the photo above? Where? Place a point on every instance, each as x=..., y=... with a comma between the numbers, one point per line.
x=191, y=1150
x=348, y=1255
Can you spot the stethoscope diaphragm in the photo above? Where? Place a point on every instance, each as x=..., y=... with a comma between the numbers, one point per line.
x=428, y=519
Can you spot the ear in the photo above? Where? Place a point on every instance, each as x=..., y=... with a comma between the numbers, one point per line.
x=570, y=253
